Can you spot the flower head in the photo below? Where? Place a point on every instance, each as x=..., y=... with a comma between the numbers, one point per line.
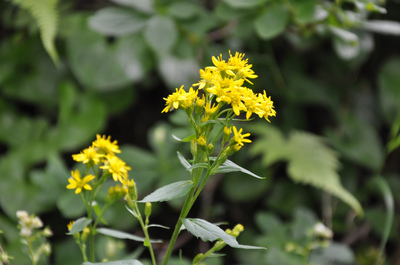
x=117, y=167
x=88, y=155
x=75, y=181
x=105, y=146
x=239, y=138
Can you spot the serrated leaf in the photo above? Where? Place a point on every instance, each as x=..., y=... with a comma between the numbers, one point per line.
x=123, y=235
x=118, y=262
x=245, y=3
x=310, y=161
x=183, y=161
x=209, y=232
x=161, y=34
x=117, y=21
x=272, y=21
x=229, y=166
x=79, y=225
x=169, y=192
x=313, y=163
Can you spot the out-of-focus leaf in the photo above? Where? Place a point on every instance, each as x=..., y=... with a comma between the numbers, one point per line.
x=272, y=21
x=70, y=204
x=118, y=262
x=382, y=26
x=145, y=6
x=79, y=225
x=161, y=34
x=245, y=3
x=389, y=92
x=116, y=21
x=176, y=71
x=106, y=67
x=335, y=253
x=310, y=162
x=183, y=10
x=305, y=11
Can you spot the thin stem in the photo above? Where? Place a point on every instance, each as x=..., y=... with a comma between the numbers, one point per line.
x=146, y=234
x=31, y=254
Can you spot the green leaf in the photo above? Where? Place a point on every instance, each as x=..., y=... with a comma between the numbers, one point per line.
x=183, y=10
x=122, y=235
x=210, y=232
x=272, y=21
x=97, y=210
x=116, y=21
x=310, y=161
x=186, y=139
x=144, y=6
x=389, y=92
x=161, y=34
x=198, y=165
x=382, y=26
x=178, y=71
x=118, y=262
x=245, y=3
x=46, y=16
x=79, y=225
x=169, y=192
x=306, y=10
x=183, y=161
x=229, y=166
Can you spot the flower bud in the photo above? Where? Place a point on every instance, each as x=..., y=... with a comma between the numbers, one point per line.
x=47, y=232
x=227, y=134
x=85, y=234
x=237, y=230
x=147, y=209
x=198, y=258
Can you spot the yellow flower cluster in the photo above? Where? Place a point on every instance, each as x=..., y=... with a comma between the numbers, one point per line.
x=223, y=84
x=102, y=154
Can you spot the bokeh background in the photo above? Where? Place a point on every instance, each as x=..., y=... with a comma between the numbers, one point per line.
x=72, y=69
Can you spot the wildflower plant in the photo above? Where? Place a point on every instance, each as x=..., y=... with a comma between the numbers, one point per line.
x=212, y=105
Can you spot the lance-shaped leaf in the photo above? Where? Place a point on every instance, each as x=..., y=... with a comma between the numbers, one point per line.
x=183, y=161
x=123, y=235
x=169, y=192
x=97, y=210
x=186, y=139
x=229, y=166
x=79, y=225
x=118, y=262
x=210, y=232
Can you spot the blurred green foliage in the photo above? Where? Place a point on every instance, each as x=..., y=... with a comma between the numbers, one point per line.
x=331, y=67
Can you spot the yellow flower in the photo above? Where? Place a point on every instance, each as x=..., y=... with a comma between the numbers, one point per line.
x=117, y=167
x=69, y=225
x=180, y=98
x=105, y=146
x=240, y=138
x=88, y=155
x=75, y=182
x=202, y=141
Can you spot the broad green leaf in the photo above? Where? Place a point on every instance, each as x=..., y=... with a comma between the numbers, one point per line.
x=389, y=92
x=144, y=6
x=46, y=16
x=336, y=253
x=382, y=26
x=183, y=10
x=122, y=235
x=310, y=161
x=79, y=225
x=305, y=11
x=245, y=3
x=169, y=192
x=161, y=34
x=178, y=71
x=272, y=21
x=183, y=161
x=210, y=232
x=117, y=21
x=229, y=166
x=345, y=35
x=118, y=262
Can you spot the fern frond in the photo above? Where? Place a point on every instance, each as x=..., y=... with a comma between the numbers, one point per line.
x=310, y=160
x=46, y=16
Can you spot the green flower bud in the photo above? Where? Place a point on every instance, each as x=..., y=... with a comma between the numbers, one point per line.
x=85, y=234
x=198, y=258
x=147, y=209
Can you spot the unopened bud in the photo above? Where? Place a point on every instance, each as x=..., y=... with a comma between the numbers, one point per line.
x=198, y=258
x=47, y=232
x=237, y=230
x=147, y=209
x=85, y=234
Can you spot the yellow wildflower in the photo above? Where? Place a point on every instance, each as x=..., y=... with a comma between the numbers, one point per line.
x=105, y=146
x=75, y=182
x=239, y=138
x=202, y=141
x=117, y=167
x=88, y=155
x=180, y=98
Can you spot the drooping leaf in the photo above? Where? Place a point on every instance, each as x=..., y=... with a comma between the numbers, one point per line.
x=169, y=192
x=118, y=262
x=245, y=3
x=210, y=232
x=123, y=235
x=310, y=161
x=116, y=21
x=229, y=166
x=46, y=16
x=272, y=21
x=79, y=225
x=183, y=161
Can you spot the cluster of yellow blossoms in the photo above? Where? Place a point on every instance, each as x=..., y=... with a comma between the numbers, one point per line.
x=223, y=85
x=101, y=154
x=224, y=82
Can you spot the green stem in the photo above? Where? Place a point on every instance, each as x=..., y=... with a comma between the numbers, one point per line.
x=31, y=254
x=146, y=234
